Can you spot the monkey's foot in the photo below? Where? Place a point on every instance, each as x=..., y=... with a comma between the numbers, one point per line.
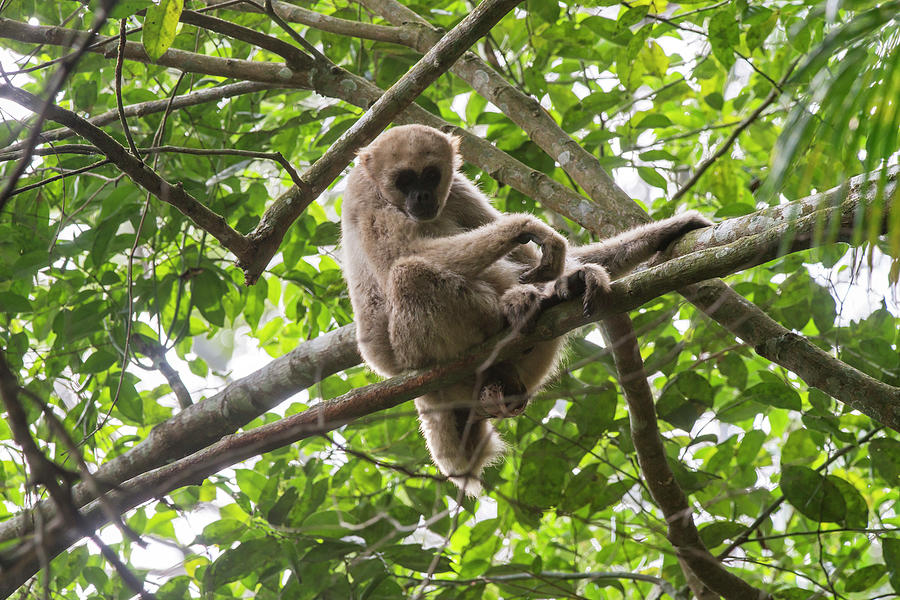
x=503, y=394
x=591, y=282
x=521, y=305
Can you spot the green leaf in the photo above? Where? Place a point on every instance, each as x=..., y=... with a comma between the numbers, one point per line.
x=774, y=394
x=160, y=25
x=759, y=31
x=650, y=175
x=715, y=100
x=207, y=291
x=885, y=457
x=890, y=550
x=684, y=399
x=716, y=533
x=653, y=120
x=799, y=449
x=815, y=496
x=126, y=8
x=857, y=513
x=416, y=558
x=11, y=302
x=724, y=35
x=541, y=475
x=99, y=361
x=864, y=578
x=241, y=561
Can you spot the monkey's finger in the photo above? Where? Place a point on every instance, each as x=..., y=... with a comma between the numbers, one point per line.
x=524, y=238
x=538, y=274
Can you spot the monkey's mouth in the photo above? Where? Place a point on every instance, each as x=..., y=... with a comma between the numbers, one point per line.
x=422, y=212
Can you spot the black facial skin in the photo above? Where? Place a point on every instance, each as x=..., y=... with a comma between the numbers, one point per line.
x=420, y=191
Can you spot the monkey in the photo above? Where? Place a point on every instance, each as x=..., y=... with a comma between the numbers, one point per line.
x=433, y=269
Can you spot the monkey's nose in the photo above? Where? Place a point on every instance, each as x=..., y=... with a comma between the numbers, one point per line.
x=421, y=205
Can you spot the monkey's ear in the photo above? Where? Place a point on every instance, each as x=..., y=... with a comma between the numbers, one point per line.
x=455, y=141
x=365, y=159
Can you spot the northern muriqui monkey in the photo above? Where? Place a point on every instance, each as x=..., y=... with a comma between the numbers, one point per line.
x=434, y=269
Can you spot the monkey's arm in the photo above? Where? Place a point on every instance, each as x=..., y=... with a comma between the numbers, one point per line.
x=622, y=253
x=469, y=209
x=471, y=252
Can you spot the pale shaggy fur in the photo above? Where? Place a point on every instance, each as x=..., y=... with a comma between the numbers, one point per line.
x=426, y=288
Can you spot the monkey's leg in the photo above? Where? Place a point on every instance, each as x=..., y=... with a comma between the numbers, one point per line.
x=436, y=314
x=460, y=444
x=622, y=253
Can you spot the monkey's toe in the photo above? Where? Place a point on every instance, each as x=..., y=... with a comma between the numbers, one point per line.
x=589, y=282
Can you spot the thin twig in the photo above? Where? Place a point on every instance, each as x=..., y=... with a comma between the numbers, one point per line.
x=43, y=182
x=120, y=59
x=726, y=145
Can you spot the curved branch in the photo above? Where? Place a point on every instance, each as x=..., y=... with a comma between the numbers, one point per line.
x=293, y=56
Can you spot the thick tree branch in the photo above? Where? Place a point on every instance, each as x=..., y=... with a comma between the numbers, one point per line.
x=281, y=214
x=832, y=215
x=189, y=62
x=682, y=532
x=296, y=14
x=209, y=420
x=817, y=368
x=140, y=173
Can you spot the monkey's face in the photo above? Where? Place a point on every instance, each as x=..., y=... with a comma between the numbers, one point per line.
x=419, y=190
x=413, y=166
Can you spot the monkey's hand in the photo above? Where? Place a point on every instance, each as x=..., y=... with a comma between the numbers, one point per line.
x=589, y=281
x=553, y=251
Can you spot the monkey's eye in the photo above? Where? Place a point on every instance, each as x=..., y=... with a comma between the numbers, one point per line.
x=405, y=179
x=431, y=176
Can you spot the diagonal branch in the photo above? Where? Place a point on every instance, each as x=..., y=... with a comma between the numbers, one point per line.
x=726, y=145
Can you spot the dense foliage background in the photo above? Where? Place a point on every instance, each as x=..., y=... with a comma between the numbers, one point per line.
x=119, y=312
